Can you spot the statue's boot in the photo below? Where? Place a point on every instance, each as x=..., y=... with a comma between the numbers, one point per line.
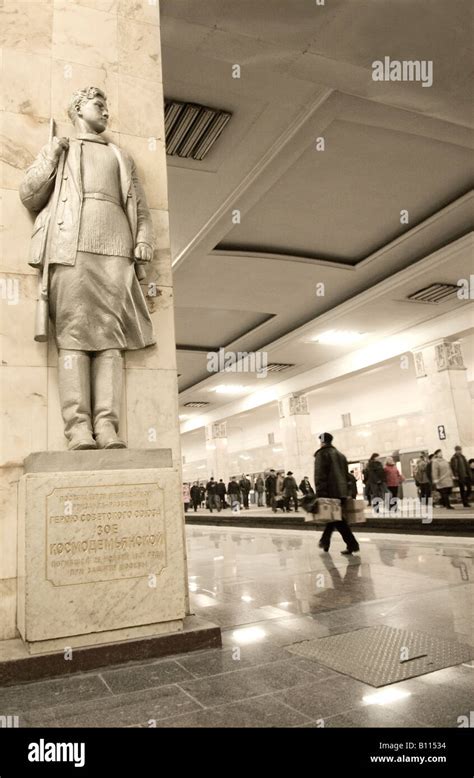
x=106, y=396
x=75, y=398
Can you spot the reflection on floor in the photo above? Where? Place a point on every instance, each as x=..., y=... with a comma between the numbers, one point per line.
x=269, y=589
x=458, y=512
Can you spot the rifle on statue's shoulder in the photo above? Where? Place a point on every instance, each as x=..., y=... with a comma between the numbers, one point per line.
x=42, y=306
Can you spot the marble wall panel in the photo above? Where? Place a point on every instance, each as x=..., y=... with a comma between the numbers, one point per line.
x=150, y=159
x=85, y=35
x=27, y=25
x=23, y=412
x=139, y=49
x=9, y=478
x=140, y=107
x=15, y=230
x=24, y=135
x=163, y=355
x=152, y=410
x=18, y=323
x=140, y=10
x=26, y=83
x=98, y=5
x=8, y=629
x=161, y=224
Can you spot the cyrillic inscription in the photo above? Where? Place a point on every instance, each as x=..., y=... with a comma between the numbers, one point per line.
x=104, y=533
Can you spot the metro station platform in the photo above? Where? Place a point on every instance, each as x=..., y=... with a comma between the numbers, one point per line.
x=277, y=598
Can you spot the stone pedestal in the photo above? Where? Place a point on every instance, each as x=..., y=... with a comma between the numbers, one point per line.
x=297, y=440
x=100, y=551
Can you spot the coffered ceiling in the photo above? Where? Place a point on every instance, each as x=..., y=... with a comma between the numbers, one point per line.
x=315, y=219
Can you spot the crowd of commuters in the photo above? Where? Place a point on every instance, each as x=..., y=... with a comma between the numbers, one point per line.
x=275, y=490
x=434, y=476
x=434, y=473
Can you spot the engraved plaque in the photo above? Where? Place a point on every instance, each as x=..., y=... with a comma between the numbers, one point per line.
x=104, y=533
x=99, y=551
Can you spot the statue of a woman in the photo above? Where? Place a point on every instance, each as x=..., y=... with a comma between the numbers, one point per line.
x=93, y=226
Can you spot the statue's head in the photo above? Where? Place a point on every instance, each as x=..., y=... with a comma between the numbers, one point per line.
x=88, y=107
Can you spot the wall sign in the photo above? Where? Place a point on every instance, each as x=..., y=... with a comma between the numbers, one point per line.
x=441, y=432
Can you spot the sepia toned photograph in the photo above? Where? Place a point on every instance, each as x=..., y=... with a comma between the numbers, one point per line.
x=236, y=382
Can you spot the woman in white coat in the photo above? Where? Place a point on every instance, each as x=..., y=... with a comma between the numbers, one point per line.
x=442, y=476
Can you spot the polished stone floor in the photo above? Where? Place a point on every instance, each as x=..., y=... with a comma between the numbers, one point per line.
x=269, y=589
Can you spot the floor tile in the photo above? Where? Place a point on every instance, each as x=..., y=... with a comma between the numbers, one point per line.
x=243, y=684
x=43, y=694
x=133, y=678
x=142, y=708
x=258, y=712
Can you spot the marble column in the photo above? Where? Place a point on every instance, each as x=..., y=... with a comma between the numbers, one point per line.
x=297, y=441
x=217, y=453
x=49, y=49
x=446, y=400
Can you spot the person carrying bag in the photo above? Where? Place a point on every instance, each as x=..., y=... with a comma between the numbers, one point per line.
x=331, y=478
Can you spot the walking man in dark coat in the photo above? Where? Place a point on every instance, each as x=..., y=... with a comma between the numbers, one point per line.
x=212, y=495
x=233, y=491
x=462, y=472
x=222, y=491
x=290, y=490
x=331, y=478
x=245, y=486
x=195, y=496
x=260, y=489
x=270, y=488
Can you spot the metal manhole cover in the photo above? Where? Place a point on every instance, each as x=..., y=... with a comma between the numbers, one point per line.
x=382, y=655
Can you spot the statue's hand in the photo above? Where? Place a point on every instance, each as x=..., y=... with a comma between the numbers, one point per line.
x=56, y=147
x=143, y=252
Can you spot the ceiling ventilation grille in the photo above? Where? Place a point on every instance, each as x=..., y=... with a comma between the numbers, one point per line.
x=435, y=293
x=278, y=367
x=195, y=405
x=191, y=129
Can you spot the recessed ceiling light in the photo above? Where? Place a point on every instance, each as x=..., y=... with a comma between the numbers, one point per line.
x=337, y=337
